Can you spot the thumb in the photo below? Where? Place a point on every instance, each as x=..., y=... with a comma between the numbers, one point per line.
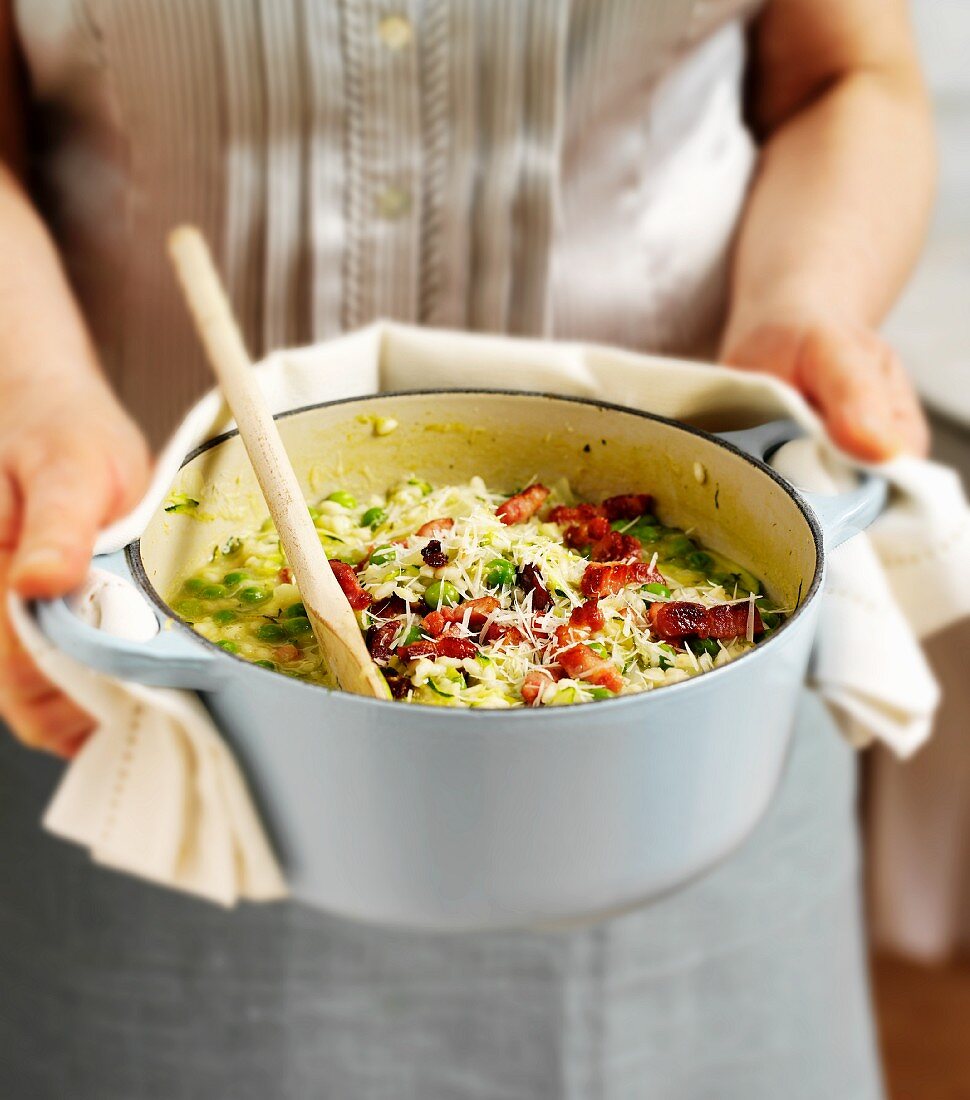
x=64, y=503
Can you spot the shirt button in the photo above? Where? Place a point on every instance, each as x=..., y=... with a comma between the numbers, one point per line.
x=395, y=32
x=394, y=202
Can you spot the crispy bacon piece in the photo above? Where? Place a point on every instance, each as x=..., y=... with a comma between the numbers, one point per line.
x=583, y=620
x=530, y=580
x=521, y=506
x=389, y=608
x=435, y=527
x=730, y=620
x=534, y=682
x=380, y=641
x=480, y=609
x=625, y=506
x=436, y=622
x=679, y=619
x=608, y=578
x=285, y=576
x=566, y=516
x=445, y=646
x=587, y=617
x=615, y=546
x=584, y=532
x=581, y=663
x=499, y=634
x=628, y=506
x=676, y=620
x=589, y=525
x=357, y=596
x=433, y=555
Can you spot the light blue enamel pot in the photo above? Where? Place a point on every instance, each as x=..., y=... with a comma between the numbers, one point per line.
x=457, y=819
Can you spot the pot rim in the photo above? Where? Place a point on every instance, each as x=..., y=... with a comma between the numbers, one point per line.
x=136, y=565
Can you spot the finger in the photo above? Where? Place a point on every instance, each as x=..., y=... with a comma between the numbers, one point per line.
x=914, y=431
x=845, y=379
x=130, y=465
x=910, y=420
x=9, y=509
x=54, y=724
x=65, y=500
x=38, y=714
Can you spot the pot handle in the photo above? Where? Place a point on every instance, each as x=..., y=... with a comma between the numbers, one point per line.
x=840, y=515
x=169, y=658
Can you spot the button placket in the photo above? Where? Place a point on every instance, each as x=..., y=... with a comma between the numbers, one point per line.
x=384, y=161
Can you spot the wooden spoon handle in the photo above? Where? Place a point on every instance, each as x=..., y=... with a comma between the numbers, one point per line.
x=329, y=612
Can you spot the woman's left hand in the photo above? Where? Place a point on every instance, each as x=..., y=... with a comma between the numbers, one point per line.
x=848, y=373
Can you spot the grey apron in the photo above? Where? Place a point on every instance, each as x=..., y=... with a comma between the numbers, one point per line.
x=748, y=985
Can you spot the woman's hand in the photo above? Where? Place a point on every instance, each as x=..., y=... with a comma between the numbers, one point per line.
x=836, y=215
x=70, y=459
x=70, y=462
x=848, y=373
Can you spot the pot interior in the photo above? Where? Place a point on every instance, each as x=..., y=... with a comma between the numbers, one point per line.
x=734, y=506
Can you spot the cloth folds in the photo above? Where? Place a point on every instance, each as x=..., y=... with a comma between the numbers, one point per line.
x=155, y=792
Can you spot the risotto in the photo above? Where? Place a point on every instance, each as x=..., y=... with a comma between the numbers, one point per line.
x=470, y=597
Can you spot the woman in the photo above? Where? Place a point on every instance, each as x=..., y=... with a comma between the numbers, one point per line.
x=576, y=170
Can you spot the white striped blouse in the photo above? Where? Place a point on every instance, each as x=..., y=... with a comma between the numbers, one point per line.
x=540, y=167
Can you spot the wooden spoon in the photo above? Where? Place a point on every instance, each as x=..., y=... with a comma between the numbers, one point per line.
x=330, y=615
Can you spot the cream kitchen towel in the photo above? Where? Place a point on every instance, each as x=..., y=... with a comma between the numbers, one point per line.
x=156, y=793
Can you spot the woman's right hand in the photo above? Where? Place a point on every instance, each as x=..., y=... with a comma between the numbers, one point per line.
x=70, y=462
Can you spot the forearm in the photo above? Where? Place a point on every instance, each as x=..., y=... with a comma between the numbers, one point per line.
x=839, y=206
x=43, y=341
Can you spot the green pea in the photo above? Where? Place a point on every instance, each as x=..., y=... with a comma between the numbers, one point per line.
x=223, y=617
x=195, y=584
x=295, y=611
x=266, y=664
x=601, y=693
x=373, y=517
x=500, y=574
x=656, y=589
x=253, y=595
x=345, y=500
x=229, y=647
x=270, y=632
x=294, y=628
x=707, y=645
x=413, y=635
x=212, y=592
x=383, y=554
x=441, y=594
x=647, y=532
x=678, y=546
x=598, y=648
x=233, y=580
x=699, y=560
x=189, y=609
x=424, y=486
